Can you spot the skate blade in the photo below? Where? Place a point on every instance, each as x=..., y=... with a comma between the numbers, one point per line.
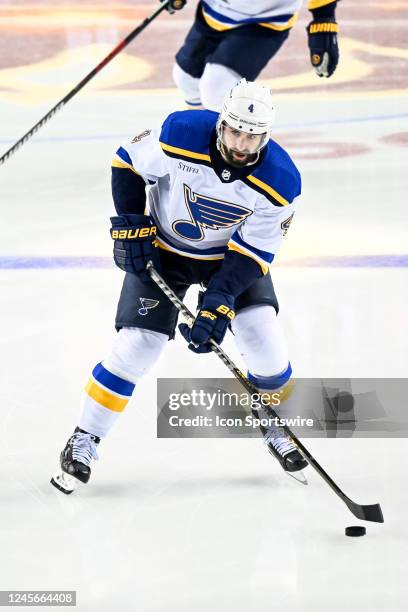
x=299, y=476
x=64, y=482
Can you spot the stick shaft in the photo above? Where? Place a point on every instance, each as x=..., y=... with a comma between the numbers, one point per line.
x=372, y=513
x=84, y=81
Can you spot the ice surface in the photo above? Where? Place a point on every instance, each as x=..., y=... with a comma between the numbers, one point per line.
x=194, y=525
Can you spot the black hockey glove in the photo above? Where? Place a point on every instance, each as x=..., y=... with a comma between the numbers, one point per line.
x=324, y=50
x=214, y=316
x=175, y=5
x=134, y=246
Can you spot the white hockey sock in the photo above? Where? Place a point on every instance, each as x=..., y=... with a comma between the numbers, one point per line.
x=113, y=381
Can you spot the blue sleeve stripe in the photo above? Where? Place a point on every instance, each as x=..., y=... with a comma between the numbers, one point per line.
x=265, y=255
x=111, y=381
x=271, y=382
x=124, y=155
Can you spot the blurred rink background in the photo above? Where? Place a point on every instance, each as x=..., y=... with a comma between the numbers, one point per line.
x=181, y=525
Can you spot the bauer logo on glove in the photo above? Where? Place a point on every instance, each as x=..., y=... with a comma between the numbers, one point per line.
x=207, y=315
x=131, y=234
x=211, y=322
x=227, y=312
x=135, y=244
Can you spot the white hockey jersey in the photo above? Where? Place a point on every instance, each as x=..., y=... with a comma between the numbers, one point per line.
x=202, y=210
x=275, y=14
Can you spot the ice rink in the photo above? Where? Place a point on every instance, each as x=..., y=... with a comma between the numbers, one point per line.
x=198, y=525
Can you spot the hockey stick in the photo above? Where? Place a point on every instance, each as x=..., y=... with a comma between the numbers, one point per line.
x=84, y=81
x=366, y=513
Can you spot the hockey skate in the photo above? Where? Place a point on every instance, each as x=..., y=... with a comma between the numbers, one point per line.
x=75, y=460
x=281, y=447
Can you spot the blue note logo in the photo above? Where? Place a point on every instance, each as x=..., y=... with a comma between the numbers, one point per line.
x=147, y=304
x=207, y=213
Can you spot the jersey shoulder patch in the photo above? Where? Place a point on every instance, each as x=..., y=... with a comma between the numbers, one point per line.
x=277, y=177
x=187, y=134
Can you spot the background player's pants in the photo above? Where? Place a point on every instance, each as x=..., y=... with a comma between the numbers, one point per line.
x=256, y=331
x=210, y=63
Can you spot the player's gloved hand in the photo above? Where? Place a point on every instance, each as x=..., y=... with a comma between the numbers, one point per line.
x=324, y=50
x=214, y=315
x=134, y=246
x=175, y=5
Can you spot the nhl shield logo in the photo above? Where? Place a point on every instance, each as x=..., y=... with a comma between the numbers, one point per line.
x=225, y=175
x=147, y=304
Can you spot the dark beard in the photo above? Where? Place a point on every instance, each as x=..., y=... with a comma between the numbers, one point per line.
x=227, y=154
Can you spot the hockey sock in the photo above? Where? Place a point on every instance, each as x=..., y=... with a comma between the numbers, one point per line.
x=106, y=396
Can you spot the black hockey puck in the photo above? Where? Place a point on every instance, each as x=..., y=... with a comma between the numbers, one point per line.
x=355, y=532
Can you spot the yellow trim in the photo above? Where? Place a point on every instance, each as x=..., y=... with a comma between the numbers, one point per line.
x=166, y=248
x=214, y=24
x=208, y=315
x=221, y=27
x=283, y=393
x=281, y=28
x=268, y=189
x=264, y=267
x=119, y=164
x=184, y=152
x=199, y=107
x=314, y=4
x=103, y=397
x=317, y=28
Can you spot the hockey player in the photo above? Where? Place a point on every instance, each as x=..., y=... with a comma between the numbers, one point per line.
x=221, y=198
x=237, y=38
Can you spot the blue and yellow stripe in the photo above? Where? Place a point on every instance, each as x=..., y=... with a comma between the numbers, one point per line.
x=202, y=254
x=219, y=22
x=109, y=390
x=266, y=190
x=194, y=105
x=186, y=154
x=280, y=27
x=270, y=383
x=262, y=258
x=123, y=160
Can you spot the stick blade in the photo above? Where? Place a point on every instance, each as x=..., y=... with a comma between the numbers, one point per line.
x=298, y=476
x=366, y=513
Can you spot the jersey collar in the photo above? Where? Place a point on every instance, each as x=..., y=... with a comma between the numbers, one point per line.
x=225, y=172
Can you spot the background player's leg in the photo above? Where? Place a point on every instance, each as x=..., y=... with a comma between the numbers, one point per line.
x=248, y=49
x=242, y=52
x=216, y=81
x=189, y=87
x=191, y=59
